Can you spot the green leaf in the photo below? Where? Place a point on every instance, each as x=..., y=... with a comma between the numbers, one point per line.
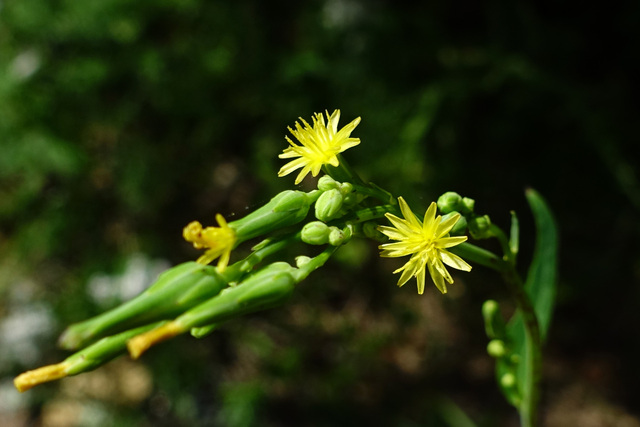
x=543, y=272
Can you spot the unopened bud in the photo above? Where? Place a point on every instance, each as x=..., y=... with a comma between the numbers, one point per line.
x=449, y=202
x=370, y=230
x=467, y=205
x=508, y=380
x=346, y=188
x=328, y=205
x=337, y=237
x=496, y=348
x=326, y=183
x=315, y=233
x=480, y=227
x=460, y=227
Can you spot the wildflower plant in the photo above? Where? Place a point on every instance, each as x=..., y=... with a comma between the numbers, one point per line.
x=196, y=297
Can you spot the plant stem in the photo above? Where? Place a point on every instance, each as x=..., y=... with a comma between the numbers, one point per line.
x=533, y=355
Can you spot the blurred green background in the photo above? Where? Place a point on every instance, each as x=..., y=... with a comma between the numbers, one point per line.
x=122, y=121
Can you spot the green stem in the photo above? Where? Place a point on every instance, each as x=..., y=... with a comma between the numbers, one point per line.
x=504, y=243
x=533, y=354
x=367, y=214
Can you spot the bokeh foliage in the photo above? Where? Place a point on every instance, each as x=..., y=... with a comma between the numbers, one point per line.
x=122, y=121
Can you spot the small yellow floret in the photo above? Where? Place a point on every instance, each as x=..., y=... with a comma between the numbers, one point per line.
x=141, y=343
x=426, y=242
x=320, y=144
x=218, y=240
x=30, y=379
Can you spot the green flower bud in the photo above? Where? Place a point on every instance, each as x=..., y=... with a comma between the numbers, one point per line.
x=266, y=288
x=346, y=188
x=328, y=205
x=176, y=290
x=508, y=380
x=449, y=202
x=460, y=226
x=370, y=230
x=326, y=183
x=285, y=209
x=467, y=205
x=315, y=233
x=338, y=237
x=480, y=227
x=496, y=348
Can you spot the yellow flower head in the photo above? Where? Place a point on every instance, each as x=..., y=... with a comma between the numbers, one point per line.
x=218, y=240
x=426, y=242
x=320, y=144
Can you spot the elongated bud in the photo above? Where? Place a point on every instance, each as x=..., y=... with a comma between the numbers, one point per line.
x=285, y=209
x=176, y=290
x=85, y=360
x=266, y=288
x=328, y=205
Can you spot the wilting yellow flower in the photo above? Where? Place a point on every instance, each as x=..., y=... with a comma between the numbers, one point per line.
x=218, y=240
x=426, y=242
x=320, y=144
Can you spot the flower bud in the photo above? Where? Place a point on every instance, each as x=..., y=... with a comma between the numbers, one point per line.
x=370, y=230
x=328, y=205
x=496, y=348
x=480, y=227
x=346, y=188
x=286, y=208
x=508, y=380
x=315, y=233
x=326, y=183
x=449, y=202
x=467, y=205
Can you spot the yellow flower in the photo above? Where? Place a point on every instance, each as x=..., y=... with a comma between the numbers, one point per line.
x=218, y=240
x=320, y=145
x=426, y=242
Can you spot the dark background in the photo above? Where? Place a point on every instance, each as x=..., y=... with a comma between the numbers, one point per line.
x=122, y=121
